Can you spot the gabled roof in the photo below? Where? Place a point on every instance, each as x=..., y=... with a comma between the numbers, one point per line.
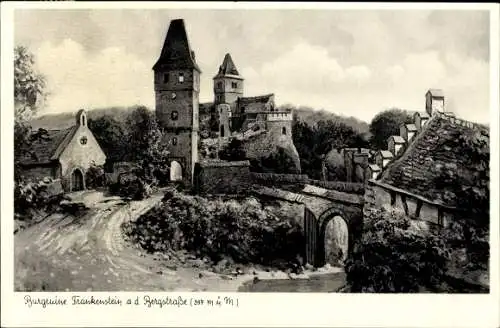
x=411, y=127
x=49, y=146
x=436, y=93
x=397, y=139
x=254, y=104
x=176, y=52
x=386, y=154
x=418, y=168
x=228, y=67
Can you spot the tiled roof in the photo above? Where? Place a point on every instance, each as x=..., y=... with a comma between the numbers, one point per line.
x=411, y=127
x=49, y=146
x=397, y=139
x=417, y=170
x=227, y=67
x=176, y=52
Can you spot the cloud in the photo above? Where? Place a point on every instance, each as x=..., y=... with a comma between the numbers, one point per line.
x=77, y=79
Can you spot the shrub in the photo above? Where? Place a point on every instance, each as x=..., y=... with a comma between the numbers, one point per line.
x=30, y=197
x=393, y=257
x=216, y=229
x=95, y=177
x=129, y=185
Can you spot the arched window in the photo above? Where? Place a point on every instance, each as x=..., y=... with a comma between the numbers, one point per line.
x=222, y=131
x=283, y=130
x=174, y=115
x=181, y=77
x=174, y=141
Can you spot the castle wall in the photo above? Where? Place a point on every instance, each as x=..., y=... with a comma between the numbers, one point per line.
x=222, y=177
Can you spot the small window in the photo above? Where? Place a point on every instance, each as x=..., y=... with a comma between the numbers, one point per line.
x=174, y=141
x=181, y=77
x=174, y=115
x=234, y=85
x=219, y=85
x=393, y=198
x=165, y=78
x=83, y=140
x=283, y=131
x=242, y=110
x=174, y=95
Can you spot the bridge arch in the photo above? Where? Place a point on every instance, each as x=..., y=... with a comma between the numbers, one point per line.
x=334, y=236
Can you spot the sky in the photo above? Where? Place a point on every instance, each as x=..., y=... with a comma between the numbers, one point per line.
x=354, y=63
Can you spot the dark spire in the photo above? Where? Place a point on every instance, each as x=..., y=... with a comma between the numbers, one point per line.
x=176, y=52
x=227, y=67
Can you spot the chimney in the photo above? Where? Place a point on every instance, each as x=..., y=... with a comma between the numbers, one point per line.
x=395, y=144
x=420, y=119
x=383, y=158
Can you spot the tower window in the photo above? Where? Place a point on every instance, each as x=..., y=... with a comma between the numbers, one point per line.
x=242, y=110
x=83, y=140
x=234, y=85
x=174, y=95
x=181, y=77
x=219, y=85
x=174, y=141
x=174, y=115
x=283, y=131
x=165, y=78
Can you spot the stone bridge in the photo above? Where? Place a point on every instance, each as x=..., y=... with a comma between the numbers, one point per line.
x=322, y=210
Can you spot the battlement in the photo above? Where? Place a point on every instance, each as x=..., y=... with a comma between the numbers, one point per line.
x=280, y=116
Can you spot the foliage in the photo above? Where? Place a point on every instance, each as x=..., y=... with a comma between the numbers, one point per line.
x=386, y=124
x=470, y=191
x=233, y=152
x=131, y=185
x=30, y=197
x=314, y=142
x=112, y=138
x=217, y=229
x=394, y=257
x=95, y=177
x=276, y=162
x=29, y=85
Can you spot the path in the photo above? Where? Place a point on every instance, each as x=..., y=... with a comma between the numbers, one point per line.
x=67, y=253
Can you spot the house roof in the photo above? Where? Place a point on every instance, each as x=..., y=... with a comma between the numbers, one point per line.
x=176, y=52
x=421, y=114
x=411, y=127
x=418, y=168
x=397, y=139
x=228, y=67
x=254, y=104
x=374, y=167
x=386, y=154
x=48, y=146
x=436, y=93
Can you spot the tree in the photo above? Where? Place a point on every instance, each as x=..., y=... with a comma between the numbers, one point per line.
x=29, y=90
x=386, y=124
x=233, y=152
x=29, y=85
x=278, y=161
x=111, y=136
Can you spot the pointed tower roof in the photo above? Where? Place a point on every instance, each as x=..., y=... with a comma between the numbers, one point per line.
x=176, y=52
x=228, y=67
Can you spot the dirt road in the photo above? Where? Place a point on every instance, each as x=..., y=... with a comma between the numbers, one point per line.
x=90, y=253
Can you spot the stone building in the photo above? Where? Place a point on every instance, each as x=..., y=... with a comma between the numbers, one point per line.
x=177, y=87
x=408, y=181
x=64, y=154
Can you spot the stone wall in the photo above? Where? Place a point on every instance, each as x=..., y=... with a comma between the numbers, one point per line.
x=376, y=196
x=220, y=177
x=37, y=173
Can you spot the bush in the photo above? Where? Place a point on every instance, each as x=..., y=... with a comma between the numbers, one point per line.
x=95, y=177
x=393, y=257
x=217, y=229
x=30, y=197
x=129, y=185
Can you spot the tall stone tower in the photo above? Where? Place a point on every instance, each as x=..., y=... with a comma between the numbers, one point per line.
x=228, y=83
x=177, y=87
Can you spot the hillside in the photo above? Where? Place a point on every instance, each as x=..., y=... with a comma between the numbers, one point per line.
x=64, y=120
x=312, y=116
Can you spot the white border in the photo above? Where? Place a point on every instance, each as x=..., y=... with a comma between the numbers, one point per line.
x=271, y=309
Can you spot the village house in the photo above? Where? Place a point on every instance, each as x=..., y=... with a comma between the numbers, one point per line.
x=64, y=154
